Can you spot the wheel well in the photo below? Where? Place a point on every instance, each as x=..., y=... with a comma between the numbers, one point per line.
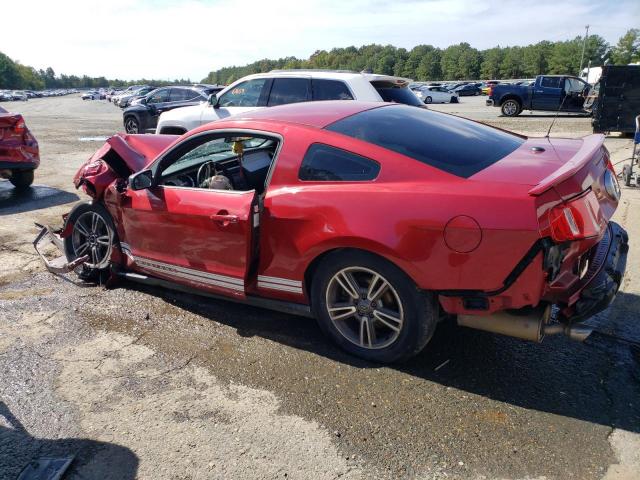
x=510, y=97
x=315, y=263
x=172, y=131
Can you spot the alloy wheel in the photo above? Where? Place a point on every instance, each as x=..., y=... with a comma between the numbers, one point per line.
x=131, y=126
x=364, y=307
x=91, y=236
x=510, y=107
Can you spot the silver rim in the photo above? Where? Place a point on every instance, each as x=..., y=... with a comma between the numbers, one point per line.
x=91, y=236
x=510, y=107
x=131, y=126
x=428, y=100
x=364, y=307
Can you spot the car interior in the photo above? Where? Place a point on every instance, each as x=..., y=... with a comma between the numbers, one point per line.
x=223, y=163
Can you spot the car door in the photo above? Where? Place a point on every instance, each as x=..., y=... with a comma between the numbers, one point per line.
x=156, y=104
x=547, y=94
x=575, y=90
x=197, y=237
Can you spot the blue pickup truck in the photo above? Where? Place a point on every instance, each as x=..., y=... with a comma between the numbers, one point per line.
x=548, y=93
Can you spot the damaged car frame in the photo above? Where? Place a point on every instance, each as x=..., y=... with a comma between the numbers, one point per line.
x=379, y=220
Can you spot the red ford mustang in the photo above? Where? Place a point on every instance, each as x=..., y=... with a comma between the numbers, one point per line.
x=19, y=154
x=377, y=219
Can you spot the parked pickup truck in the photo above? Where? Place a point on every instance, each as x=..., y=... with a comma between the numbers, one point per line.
x=548, y=93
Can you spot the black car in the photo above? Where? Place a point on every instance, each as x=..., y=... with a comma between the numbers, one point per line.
x=143, y=117
x=468, y=90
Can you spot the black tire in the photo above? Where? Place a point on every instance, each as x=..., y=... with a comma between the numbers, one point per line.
x=428, y=100
x=511, y=107
x=419, y=309
x=131, y=124
x=21, y=179
x=98, y=271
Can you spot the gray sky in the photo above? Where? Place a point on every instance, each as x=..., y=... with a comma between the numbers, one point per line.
x=160, y=39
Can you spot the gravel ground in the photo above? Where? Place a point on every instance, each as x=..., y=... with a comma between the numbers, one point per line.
x=146, y=383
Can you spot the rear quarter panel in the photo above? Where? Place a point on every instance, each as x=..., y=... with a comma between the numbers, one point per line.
x=400, y=216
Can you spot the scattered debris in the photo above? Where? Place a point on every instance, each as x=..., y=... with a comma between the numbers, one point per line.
x=441, y=365
x=46, y=468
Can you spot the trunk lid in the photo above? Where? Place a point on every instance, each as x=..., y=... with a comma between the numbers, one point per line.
x=568, y=165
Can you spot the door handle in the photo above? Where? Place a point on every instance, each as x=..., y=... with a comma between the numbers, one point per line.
x=224, y=219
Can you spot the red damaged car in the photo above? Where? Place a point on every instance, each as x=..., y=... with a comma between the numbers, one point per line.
x=19, y=154
x=377, y=219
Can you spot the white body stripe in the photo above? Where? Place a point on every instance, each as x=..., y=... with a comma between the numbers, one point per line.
x=281, y=284
x=199, y=276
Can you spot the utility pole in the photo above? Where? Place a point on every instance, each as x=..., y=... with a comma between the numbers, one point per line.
x=584, y=46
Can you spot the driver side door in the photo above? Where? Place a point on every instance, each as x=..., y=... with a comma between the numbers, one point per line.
x=197, y=237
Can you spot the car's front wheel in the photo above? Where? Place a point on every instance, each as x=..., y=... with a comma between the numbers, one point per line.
x=428, y=100
x=21, y=179
x=370, y=308
x=131, y=125
x=93, y=235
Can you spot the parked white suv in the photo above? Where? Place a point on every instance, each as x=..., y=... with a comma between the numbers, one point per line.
x=279, y=87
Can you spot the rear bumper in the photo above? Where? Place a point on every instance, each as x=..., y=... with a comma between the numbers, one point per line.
x=18, y=165
x=604, y=276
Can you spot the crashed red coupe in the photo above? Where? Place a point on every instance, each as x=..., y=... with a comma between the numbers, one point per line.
x=377, y=219
x=19, y=153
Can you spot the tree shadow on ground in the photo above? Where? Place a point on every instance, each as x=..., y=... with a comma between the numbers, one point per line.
x=94, y=459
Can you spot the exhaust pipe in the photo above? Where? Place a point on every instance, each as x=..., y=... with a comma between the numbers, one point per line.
x=533, y=326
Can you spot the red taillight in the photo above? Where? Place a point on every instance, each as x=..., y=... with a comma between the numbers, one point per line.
x=580, y=218
x=19, y=127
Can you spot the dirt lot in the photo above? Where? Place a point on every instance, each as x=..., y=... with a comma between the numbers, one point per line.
x=146, y=383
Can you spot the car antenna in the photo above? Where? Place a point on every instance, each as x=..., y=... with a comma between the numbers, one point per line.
x=555, y=117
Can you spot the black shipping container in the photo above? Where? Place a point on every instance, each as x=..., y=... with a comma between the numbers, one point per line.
x=618, y=101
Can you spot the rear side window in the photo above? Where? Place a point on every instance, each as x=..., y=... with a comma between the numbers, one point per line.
x=330, y=90
x=453, y=144
x=288, y=90
x=326, y=164
x=550, y=82
x=393, y=93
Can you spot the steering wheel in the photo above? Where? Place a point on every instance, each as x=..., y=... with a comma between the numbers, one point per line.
x=205, y=172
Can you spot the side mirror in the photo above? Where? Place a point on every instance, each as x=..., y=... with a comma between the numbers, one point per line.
x=213, y=100
x=141, y=180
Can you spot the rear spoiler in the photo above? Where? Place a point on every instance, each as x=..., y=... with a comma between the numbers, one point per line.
x=590, y=146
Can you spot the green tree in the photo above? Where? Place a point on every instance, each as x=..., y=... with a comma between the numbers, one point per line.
x=491, y=63
x=627, y=50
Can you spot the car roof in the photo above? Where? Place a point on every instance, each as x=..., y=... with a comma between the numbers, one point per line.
x=329, y=74
x=316, y=114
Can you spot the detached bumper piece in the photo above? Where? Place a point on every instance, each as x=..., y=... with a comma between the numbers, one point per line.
x=608, y=265
x=58, y=264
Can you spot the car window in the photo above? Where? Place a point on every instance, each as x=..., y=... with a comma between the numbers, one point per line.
x=215, y=150
x=159, y=96
x=325, y=164
x=392, y=93
x=182, y=94
x=245, y=94
x=453, y=144
x=550, y=82
x=288, y=90
x=330, y=90
x=573, y=85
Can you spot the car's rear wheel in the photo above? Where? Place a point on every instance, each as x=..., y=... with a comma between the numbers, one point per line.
x=428, y=100
x=370, y=308
x=93, y=234
x=131, y=125
x=511, y=108
x=21, y=179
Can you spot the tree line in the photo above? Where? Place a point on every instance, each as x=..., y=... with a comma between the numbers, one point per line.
x=422, y=62
x=456, y=62
x=15, y=76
